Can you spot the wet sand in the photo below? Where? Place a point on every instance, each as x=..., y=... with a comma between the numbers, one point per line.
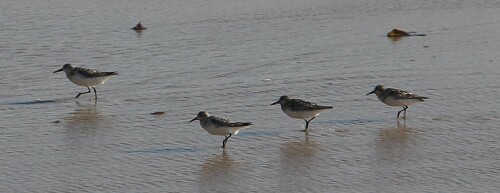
x=233, y=59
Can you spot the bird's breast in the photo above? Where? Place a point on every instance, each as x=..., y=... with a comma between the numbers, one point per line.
x=301, y=114
x=399, y=102
x=81, y=80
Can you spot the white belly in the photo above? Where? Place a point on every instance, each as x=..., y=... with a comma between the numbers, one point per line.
x=302, y=114
x=399, y=102
x=214, y=130
x=86, y=81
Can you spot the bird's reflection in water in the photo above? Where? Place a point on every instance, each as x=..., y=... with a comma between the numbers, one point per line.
x=217, y=173
x=297, y=162
x=82, y=136
x=395, y=150
x=84, y=117
x=294, y=150
x=394, y=139
x=85, y=121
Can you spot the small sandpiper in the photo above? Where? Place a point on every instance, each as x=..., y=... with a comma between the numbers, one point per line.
x=219, y=126
x=86, y=77
x=396, y=98
x=300, y=109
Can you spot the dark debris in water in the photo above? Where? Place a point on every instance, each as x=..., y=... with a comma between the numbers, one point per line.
x=166, y=150
x=353, y=121
x=36, y=101
x=158, y=113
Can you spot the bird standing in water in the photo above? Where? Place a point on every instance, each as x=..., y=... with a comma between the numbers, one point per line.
x=300, y=109
x=219, y=126
x=396, y=98
x=86, y=77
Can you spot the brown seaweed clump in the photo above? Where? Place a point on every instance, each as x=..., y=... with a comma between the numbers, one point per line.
x=397, y=33
x=139, y=27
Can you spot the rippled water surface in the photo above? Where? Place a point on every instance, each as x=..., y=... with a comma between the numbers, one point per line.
x=233, y=59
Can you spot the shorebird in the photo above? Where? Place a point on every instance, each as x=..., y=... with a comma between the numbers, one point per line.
x=300, y=109
x=85, y=77
x=396, y=98
x=219, y=126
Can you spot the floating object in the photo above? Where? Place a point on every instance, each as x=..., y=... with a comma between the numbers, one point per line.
x=139, y=27
x=397, y=33
x=158, y=113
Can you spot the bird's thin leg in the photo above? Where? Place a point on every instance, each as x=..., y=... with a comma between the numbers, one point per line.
x=404, y=115
x=95, y=92
x=307, y=123
x=78, y=95
x=404, y=109
x=225, y=140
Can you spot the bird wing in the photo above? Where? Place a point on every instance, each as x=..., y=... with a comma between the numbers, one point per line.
x=226, y=123
x=401, y=94
x=93, y=73
x=301, y=105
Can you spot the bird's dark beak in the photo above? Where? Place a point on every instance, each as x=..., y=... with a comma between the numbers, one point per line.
x=58, y=70
x=371, y=92
x=274, y=103
x=196, y=118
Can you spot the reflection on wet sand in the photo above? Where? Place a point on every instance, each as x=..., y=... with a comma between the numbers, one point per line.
x=217, y=175
x=294, y=150
x=393, y=151
x=84, y=117
x=82, y=125
x=82, y=140
x=296, y=160
x=394, y=139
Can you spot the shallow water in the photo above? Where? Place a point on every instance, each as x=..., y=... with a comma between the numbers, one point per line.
x=233, y=59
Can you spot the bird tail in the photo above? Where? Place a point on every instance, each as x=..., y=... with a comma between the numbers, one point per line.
x=422, y=98
x=241, y=124
x=110, y=73
x=236, y=126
